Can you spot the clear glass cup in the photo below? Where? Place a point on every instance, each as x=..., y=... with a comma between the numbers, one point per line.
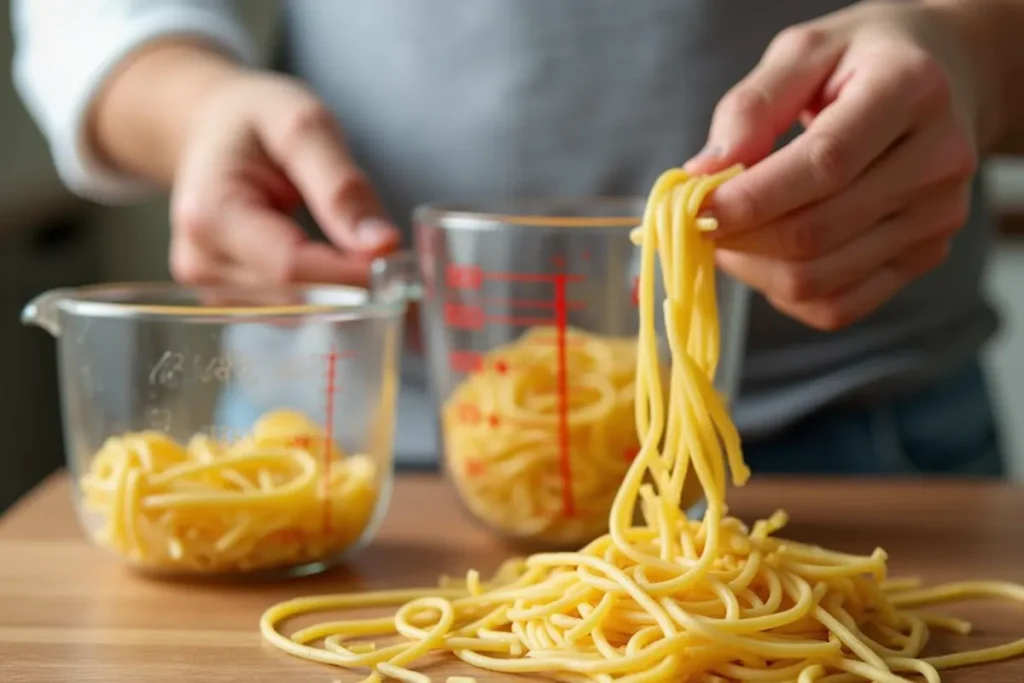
x=530, y=321
x=213, y=431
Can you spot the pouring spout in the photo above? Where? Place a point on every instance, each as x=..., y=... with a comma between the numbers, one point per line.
x=44, y=311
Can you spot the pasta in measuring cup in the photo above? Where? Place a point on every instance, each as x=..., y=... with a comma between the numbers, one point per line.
x=502, y=434
x=266, y=501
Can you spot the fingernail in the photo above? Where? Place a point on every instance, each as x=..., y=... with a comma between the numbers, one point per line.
x=374, y=232
x=710, y=152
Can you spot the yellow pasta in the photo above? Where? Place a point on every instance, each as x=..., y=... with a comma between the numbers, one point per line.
x=502, y=434
x=264, y=502
x=664, y=598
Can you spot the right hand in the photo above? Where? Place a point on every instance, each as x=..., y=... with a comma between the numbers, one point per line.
x=256, y=147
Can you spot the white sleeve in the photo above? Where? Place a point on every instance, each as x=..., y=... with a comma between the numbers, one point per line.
x=64, y=49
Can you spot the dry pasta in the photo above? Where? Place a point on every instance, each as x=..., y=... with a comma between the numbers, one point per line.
x=501, y=434
x=263, y=502
x=501, y=428
x=666, y=598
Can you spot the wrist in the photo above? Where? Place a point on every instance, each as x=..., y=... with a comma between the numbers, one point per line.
x=140, y=119
x=979, y=27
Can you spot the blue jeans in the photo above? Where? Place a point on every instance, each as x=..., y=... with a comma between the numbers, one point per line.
x=948, y=428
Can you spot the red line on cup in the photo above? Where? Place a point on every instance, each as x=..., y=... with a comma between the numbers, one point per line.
x=532, y=277
x=543, y=304
x=332, y=370
x=565, y=466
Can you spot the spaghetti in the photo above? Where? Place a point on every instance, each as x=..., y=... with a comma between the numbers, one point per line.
x=665, y=599
x=501, y=434
x=264, y=502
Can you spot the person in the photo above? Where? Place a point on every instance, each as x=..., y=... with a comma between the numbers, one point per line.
x=860, y=222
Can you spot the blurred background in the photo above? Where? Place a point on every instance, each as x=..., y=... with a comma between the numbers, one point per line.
x=49, y=239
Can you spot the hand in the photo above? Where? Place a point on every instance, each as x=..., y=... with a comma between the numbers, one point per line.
x=869, y=195
x=256, y=147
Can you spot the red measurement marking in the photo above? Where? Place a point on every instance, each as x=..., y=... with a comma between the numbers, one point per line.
x=464, y=317
x=527, y=303
x=501, y=367
x=494, y=421
x=558, y=262
x=532, y=277
x=635, y=296
x=464, y=277
x=332, y=371
x=469, y=413
x=465, y=361
x=301, y=441
x=474, y=468
x=565, y=466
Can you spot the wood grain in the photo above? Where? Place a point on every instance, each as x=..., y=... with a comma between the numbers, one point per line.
x=70, y=612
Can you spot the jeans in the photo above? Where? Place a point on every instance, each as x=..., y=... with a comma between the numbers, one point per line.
x=948, y=428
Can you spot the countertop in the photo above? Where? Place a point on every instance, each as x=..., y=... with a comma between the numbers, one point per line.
x=70, y=612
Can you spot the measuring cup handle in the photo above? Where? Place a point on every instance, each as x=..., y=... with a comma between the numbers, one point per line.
x=396, y=276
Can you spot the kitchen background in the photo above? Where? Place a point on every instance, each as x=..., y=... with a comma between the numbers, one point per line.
x=49, y=239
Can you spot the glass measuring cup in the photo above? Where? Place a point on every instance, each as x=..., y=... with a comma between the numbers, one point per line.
x=217, y=431
x=530, y=321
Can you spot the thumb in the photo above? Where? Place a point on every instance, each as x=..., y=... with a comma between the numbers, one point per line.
x=768, y=101
x=312, y=154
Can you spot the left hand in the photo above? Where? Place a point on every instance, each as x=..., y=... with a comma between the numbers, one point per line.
x=867, y=198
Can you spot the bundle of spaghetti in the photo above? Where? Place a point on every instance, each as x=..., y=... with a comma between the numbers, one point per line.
x=502, y=428
x=668, y=598
x=283, y=495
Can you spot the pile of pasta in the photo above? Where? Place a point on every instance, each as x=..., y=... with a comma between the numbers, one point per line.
x=664, y=598
x=266, y=501
x=502, y=429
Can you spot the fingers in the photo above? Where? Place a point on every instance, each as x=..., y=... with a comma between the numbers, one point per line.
x=844, y=286
x=878, y=104
x=193, y=265
x=196, y=257
x=307, y=143
x=274, y=250
x=930, y=157
x=937, y=214
x=260, y=238
x=869, y=295
x=837, y=312
x=323, y=263
x=752, y=115
x=253, y=244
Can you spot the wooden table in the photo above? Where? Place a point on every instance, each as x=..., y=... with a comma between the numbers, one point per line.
x=70, y=612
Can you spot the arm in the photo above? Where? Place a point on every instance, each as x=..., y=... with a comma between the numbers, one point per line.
x=142, y=129
x=994, y=30
x=87, y=68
